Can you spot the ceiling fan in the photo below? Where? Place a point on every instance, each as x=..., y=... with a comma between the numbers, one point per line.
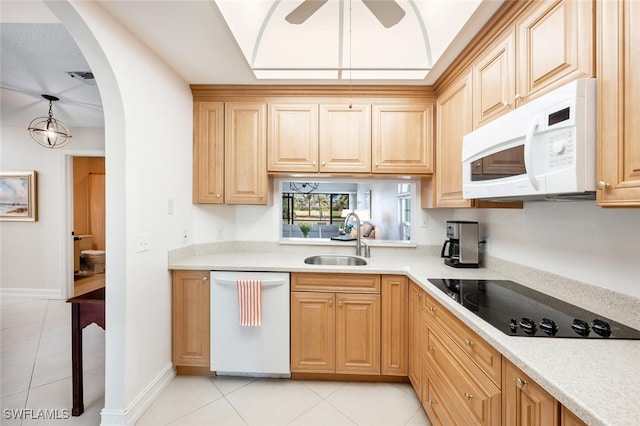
x=388, y=12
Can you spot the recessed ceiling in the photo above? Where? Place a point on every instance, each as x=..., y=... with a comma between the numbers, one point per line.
x=344, y=39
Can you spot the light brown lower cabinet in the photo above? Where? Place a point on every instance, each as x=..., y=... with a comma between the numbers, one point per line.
x=525, y=402
x=190, y=319
x=334, y=330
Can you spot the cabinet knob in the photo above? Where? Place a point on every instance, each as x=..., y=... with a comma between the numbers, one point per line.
x=518, y=97
x=314, y=163
x=324, y=163
x=376, y=164
x=468, y=396
x=432, y=402
x=261, y=196
x=217, y=195
x=431, y=349
x=340, y=303
x=432, y=308
x=603, y=185
x=330, y=302
x=204, y=278
x=505, y=104
x=468, y=343
x=521, y=383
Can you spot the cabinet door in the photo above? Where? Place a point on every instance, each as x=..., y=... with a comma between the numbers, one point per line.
x=313, y=332
x=494, y=82
x=555, y=45
x=208, y=152
x=524, y=402
x=402, y=140
x=292, y=145
x=454, y=115
x=394, y=324
x=345, y=138
x=618, y=104
x=246, y=179
x=415, y=341
x=190, y=318
x=357, y=333
x=567, y=418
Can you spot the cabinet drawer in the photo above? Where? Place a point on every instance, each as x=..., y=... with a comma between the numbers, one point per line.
x=351, y=283
x=482, y=354
x=436, y=406
x=476, y=399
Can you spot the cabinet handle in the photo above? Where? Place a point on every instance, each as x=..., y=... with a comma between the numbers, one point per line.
x=521, y=383
x=330, y=302
x=468, y=396
x=505, y=104
x=340, y=303
x=518, y=97
x=468, y=343
x=603, y=185
x=432, y=308
x=431, y=349
x=432, y=402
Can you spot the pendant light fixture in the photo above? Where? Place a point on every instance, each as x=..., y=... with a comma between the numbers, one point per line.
x=48, y=131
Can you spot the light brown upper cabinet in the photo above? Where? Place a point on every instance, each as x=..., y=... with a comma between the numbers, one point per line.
x=293, y=138
x=208, y=152
x=555, y=45
x=551, y=44
x=345, y=138
x=402, y=138
x=453, y=122
x=246, y=179
x=618, y=149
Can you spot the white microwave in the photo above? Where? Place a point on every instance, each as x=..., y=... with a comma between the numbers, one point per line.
x=542, y=150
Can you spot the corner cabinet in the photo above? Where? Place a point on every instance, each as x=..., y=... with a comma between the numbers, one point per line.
x=190, y=319
x=454, y=120
x=402, y=139
x=618, y=147
x=245, y=137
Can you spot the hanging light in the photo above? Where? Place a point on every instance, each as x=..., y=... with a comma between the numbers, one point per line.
x=48, y=131
x=303, y=187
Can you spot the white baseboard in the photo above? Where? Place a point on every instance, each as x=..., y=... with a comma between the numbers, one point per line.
x=135, y=410
x=31, y=293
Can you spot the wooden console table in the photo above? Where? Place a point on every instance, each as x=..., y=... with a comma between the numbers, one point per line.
x=85, y=309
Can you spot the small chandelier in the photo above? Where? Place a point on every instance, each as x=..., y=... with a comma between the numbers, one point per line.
x=48, y=131
x=303, y=187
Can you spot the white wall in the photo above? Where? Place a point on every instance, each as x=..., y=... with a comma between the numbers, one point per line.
x=574, y=239
x=31, y=258
x=148, y=143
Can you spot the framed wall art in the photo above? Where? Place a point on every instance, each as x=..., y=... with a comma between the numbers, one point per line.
x=18, y=196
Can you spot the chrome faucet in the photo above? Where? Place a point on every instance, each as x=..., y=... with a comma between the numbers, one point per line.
x=359, y=242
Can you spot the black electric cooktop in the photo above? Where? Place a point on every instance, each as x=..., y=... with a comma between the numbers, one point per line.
x=517, y=310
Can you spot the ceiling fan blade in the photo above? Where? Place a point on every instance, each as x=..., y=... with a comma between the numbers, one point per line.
x=304, y=11
x=388, y=12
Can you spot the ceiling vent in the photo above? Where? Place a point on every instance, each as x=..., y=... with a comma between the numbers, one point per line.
x=86, y=76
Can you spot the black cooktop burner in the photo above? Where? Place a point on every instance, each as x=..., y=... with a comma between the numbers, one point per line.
x=517, y=310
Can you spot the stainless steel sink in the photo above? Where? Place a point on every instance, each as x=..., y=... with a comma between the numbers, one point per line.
x=328, y=259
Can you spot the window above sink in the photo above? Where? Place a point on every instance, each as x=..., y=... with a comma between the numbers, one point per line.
x=314, y=210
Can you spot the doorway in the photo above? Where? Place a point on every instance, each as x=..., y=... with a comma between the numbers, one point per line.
x=88, y=230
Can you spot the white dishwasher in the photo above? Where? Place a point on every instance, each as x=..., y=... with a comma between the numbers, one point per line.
x=250, y=351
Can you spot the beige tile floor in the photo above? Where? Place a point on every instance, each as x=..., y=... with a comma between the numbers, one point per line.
x=35, y=364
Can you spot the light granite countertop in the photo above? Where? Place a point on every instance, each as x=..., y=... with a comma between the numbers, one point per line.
x=595, y=379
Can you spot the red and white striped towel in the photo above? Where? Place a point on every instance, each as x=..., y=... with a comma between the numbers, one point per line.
x=250, y=302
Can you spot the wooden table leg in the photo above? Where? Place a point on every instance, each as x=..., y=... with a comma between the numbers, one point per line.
x=76, y=360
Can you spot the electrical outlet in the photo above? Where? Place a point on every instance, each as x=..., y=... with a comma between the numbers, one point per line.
x=425, y=220
x=220, y=233
x=143, y=243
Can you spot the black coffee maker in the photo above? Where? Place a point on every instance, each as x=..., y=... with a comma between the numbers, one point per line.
x=460, y=250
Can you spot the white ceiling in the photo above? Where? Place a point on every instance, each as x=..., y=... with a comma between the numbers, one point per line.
x=190, y=36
